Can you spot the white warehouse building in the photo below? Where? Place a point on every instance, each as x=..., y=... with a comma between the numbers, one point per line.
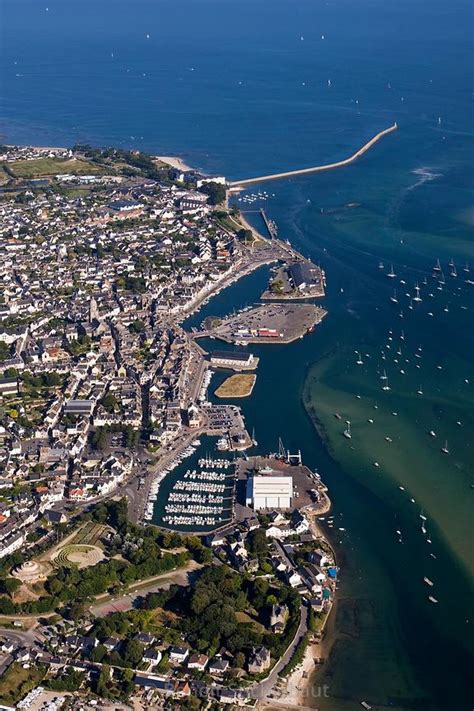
x=269, y=492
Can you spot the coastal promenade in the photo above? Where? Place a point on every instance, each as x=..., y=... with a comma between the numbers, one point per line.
x=318, y=168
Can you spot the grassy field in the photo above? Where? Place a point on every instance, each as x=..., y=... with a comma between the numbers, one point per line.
x=26, y=624
x=41, y=167
x=16, y=682
x=240, y=385
x=89, y=534
x=244, y=617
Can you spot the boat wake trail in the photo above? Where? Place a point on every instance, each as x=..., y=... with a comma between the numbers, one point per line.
x=425, y=175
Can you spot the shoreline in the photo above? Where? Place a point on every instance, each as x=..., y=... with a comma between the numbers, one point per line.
x=175, y=162
x=172, y=161
x=320, y=643
x=298, y=693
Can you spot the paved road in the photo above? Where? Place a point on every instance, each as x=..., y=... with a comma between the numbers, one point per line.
x=263, y=688
x=21, y=637
x=125, y=602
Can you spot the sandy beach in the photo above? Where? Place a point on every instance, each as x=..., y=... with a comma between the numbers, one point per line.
x=175, y=162
x=299, y=690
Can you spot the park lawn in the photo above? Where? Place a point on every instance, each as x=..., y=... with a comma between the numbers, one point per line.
x=246, y=618
x=239, y=385
x=40, y=167
x=16, y=682
x=89, y=534
x=228, y=223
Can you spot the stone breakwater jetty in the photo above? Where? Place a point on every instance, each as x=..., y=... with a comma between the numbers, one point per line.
x=318, y=168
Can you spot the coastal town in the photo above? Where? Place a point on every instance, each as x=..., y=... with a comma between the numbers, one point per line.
x=104, y=392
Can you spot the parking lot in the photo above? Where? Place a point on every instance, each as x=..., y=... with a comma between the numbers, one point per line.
x=270, y=323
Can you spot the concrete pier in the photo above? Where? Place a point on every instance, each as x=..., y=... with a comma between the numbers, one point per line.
x=268, y=224
x=318, y=168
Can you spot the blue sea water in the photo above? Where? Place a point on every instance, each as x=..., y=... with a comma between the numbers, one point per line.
x=243, y=89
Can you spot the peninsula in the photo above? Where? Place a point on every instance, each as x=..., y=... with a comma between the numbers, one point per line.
x=104, y=394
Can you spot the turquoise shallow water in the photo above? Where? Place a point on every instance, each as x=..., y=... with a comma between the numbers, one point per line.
x=243, y=90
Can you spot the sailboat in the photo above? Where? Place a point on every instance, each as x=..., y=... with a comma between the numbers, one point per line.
x=254, y=441
x=386, y=386
x=402, y=336
x=445, y=449
x=453, y=271
x=381, y=265
x=437, y=266
x=442, y=280
x=391, y=273
x=347, y=431
x=394, y=297
x=417, y=297
x=384, y=376
x=466, y=268
x=420, y=391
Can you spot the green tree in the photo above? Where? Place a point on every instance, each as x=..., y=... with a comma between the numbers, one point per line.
x=109, y=402
x=99, y=438
x=132, y=653
x=137, y=326
x=239, y=660
x=101, y=686
x=215, y=191
x=9, y=585
x=245, y=235
x=76, y=611
x=98, y=653
x=258, y=543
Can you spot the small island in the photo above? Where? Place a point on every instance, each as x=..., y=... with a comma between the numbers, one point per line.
x=239, y=385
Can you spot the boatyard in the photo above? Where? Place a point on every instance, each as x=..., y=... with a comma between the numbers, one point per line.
x=213, y=490
x=300, y=279
x=233, y=360
x=307, y=488
x=268, y=323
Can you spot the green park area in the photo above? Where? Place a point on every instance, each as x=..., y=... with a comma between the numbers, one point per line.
x=17, y=681
x=85, y=566
x=43, y=167
x=219, y=609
